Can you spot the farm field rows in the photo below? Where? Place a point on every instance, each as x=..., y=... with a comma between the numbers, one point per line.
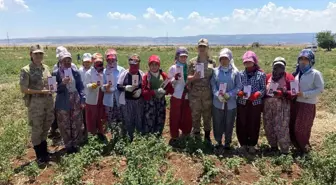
x=151, y=160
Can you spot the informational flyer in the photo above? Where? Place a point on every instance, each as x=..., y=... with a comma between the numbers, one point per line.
x=200, y=69
x=135, y=80
x=272, y=87
x=222, y=88
x=247, y=90
x=52, y=83
x=98, y=79
x=68, y=73
x=294, y=85
x=109, y=79
x=179, y=70
x=222, y=91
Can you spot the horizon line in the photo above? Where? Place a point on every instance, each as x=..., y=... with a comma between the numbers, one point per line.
x=1, y=39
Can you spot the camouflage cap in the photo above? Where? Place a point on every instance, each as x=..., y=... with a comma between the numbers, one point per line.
x=36, y=49
x=203, y=42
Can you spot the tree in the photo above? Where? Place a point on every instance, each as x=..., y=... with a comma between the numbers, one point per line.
x=326, y=40
x=255, y=45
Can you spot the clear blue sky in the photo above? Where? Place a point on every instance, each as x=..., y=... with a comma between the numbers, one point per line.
x=39, y=18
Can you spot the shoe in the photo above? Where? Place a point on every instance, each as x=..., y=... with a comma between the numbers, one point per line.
x=218, y=149
x=71, y=150
x=218, y=145
x=251, y=150
x=242, y=149
x=207, y=137
x=173, y=142
x=227, y=147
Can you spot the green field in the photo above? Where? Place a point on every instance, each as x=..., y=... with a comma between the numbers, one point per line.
x=152, y=161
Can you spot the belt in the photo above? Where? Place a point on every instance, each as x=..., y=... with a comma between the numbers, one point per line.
x=41, y=95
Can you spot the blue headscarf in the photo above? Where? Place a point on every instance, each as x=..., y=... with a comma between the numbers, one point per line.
x=302, y=69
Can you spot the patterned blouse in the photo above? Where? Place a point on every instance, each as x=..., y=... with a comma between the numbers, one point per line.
x=257, y=82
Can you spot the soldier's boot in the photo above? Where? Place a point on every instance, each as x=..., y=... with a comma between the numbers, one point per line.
x=45, y=155
x=38, y=153
x=207, y=138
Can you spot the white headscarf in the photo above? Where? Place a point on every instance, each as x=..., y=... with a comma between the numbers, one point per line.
x=59, y=50
x=225, y=52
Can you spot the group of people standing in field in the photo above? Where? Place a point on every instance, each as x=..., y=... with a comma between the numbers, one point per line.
x=103, y=92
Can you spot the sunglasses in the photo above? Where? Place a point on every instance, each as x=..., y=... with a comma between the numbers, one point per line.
x=38, y=53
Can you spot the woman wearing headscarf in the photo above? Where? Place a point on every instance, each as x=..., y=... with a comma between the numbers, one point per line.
x=70, y=100
x=249, y=106
x=111, y=93
x=276, y=114
x=86, y=65
x=225, y=83
x=132, y=104
x=180, y=112
x=155, y=85
x=60, y=49
x=311, y=85
x=94, y=109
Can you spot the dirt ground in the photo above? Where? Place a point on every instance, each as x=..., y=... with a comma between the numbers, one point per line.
x=183, y=166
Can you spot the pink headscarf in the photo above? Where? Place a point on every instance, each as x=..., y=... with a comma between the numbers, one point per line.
x=250, y=56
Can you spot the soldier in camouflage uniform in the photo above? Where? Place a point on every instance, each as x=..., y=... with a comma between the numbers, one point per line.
x=200, y=95
x=39, y=100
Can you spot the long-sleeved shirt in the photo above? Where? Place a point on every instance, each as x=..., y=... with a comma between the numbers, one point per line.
x=257, y=82
x=90, y=93
x=233, y=81
x=62, y=98
x=108, y=96
x=125, y=79
x=287, y=78
x=82, y=72
x=178, y=85
x=147, y=87
x=311, y=84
